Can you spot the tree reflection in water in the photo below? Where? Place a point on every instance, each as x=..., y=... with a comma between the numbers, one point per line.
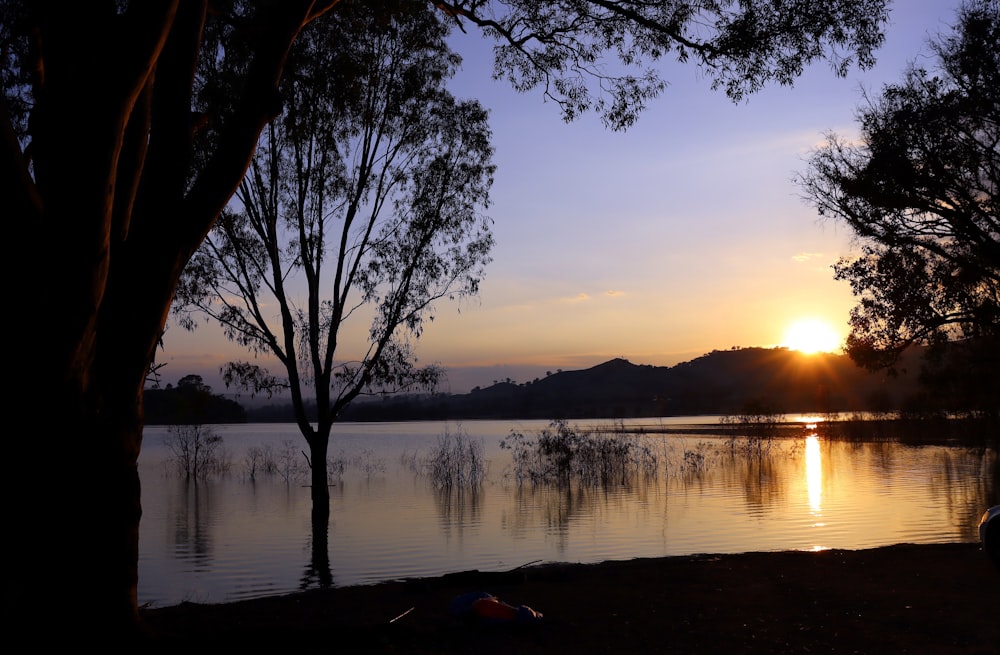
x=681, y=491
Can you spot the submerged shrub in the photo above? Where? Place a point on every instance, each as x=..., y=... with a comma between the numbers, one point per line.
x=368, y=462
x=288, y=464
x=457, y=461
x=259, y=460
x=561, y=453
x=335, y=465
x=753, y=429
x=197, y=451
x=695, y=461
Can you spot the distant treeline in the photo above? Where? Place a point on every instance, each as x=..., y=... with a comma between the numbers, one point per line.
x=721, y=382
x=190, y=402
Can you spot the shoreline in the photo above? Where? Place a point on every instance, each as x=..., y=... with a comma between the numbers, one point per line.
x=938, y=598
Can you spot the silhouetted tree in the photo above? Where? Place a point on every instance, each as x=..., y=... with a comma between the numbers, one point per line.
x=195, y=382
x=363, y=200
x=113, y=158
x=920, y=191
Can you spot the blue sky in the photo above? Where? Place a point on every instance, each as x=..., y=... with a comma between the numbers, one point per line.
x=683, y=235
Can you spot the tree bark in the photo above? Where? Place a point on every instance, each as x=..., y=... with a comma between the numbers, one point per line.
x=108, y=199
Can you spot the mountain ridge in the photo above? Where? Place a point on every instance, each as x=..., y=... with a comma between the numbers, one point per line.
x=719, y=382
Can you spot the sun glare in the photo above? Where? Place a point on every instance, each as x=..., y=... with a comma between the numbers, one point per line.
x=810, y=336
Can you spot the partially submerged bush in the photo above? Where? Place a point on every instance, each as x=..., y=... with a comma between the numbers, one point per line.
x=561, y=453
x=457, y=461
x=368, y=462
x=259, y=460
x=266, y=460
x=695, y=461
x=753, y=429
x=197, y=451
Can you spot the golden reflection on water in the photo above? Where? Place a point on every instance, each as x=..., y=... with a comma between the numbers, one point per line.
x=814, y=484
x=230, y=538
x=814, y=475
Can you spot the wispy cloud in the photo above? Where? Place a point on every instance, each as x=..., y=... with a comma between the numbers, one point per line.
x=807, y=256
x=586, y=297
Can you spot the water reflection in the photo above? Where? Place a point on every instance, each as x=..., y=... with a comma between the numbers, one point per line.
x=318, y=573
x=227, y=539
x=459, y=509
x=814, y=475
x=763, y=482
x=814, y=485
x=192, y=518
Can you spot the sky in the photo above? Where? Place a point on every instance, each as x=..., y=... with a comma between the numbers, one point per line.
x=683, y=235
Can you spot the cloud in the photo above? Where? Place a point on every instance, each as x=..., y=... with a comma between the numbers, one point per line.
x=586, y=297
x=807, y=256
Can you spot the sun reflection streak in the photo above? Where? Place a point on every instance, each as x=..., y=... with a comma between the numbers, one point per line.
x=814, y=484
x=814, y=474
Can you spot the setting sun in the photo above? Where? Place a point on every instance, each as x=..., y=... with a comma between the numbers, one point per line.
x=811, y=336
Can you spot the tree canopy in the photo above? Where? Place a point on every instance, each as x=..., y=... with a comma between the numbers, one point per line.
x=361, y=210
x=608, y=56
x=920, y=192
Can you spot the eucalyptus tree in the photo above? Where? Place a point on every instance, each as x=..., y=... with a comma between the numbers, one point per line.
x=113, y=160
x=921, y=191
x=361, y=209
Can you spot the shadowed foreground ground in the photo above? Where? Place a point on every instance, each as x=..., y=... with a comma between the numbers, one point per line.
x=933, y=599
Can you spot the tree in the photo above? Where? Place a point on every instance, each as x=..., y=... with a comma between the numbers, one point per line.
x=364, y=198
x=114, y=161
x=194, y=383
x=920, y=193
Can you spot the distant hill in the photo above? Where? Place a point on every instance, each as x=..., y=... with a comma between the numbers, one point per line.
x=720, y=382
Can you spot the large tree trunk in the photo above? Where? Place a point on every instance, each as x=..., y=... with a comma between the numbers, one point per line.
x=76, y=528
x=319, y=446
x=77, y=531
x=107, y=205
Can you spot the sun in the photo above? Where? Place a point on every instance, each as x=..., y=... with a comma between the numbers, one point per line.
x=810, y=335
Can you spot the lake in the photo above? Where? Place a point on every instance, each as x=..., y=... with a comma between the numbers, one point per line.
x=232, y=536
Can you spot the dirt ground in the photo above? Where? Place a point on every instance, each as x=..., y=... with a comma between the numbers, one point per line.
x=906, y=599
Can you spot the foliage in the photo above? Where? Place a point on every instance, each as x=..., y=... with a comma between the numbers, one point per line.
x=562, y=453
x=287, y=463
x=920, y=192
x=190, y=402
x=757, y=418
x=360, y=211
x=197, y=451
x=368, y=462
x=380, y=179
x=916, y=426
x=695, y=460
x=259, y=460
x=364, y=196
x=457, y=461
x=960, y=378
x=741, y=46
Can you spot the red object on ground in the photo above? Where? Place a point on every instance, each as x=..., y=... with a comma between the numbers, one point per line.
x=494, y=609
x=488, y=608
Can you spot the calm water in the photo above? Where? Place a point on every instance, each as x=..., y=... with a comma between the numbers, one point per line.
x=229, y=538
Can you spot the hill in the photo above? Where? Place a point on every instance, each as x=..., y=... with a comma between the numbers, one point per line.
x=720, y=382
